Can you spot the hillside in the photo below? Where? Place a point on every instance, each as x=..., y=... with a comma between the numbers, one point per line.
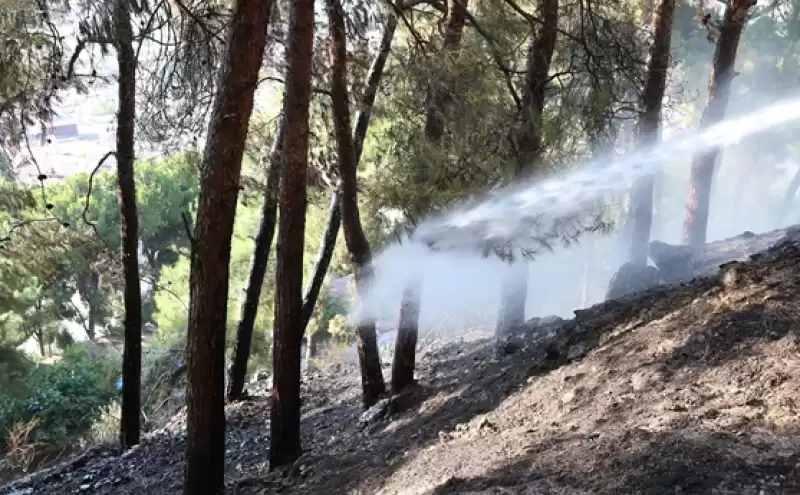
x=693, y=388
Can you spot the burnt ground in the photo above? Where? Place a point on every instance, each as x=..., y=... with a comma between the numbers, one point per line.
x=684, y=389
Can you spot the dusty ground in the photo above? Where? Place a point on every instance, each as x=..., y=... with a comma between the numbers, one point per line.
x=688, y=389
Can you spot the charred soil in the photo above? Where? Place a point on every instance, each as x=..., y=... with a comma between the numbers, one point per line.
x=693, y=388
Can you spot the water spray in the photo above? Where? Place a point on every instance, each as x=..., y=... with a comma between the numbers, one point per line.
x=447, y=249
x=522, y=213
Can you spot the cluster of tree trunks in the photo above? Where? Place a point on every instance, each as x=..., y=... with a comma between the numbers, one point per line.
x=286, y=189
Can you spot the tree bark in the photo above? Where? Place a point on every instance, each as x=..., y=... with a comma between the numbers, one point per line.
x=374, y=77
x=211, y=246
x=719, y=89
x=439, y=95
x=285, y=444
x=323, y=260
x=129, y=228
x=405, y=347
x=359, y=136
x=439, y=98
x=658, y=204
x=94, y=287
x=588, y=271
x=258, y=269
x=529, y=143
x=649, y=129
x=788, y=198
x=513, y=298
x=372, y=382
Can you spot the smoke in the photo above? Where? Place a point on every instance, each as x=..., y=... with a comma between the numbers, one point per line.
x=461, y=286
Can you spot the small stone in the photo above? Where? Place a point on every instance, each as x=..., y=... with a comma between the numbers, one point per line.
x=631, y=278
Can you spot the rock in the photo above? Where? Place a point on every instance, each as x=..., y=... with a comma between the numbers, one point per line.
x=532, y=331
x=374, y=413
x=507, y=347
x=675, y=263
x=537, y=324
x=631, y=278
x=261, y=376
x=792, y=235
x=730, y=275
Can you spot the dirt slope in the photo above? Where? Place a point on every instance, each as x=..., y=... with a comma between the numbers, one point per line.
x=688, y=389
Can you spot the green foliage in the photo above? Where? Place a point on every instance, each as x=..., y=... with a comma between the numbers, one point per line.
x=14, y=367
x=30, y=62
x=66, y=397
x=329, y=310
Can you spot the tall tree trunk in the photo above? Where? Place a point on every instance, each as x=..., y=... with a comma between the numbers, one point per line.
x=359, y=136
x=719, y=89
x=658, y=204
x=285, y=444
x=39, y=331
x=649, y=129
x=440, y=95
x=741, y=176
x=588, y=271
x=321, y=264
x=211, y=246
x=129, y=235
x=258, y=268
x=323, y=260
x=514, y=293
x=94, y=301
x=405, y=347
x=788, y=198
x=374, y=77
x=372, y=381
x=439, y=98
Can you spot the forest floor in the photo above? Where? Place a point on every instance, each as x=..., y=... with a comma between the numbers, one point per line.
x=683, y=389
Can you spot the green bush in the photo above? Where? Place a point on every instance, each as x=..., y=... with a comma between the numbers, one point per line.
x=66, y=397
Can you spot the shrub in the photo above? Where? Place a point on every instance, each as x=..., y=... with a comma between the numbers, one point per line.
x=64, y=398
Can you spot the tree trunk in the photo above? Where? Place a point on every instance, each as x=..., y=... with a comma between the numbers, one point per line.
x=788, y=198
x=658, y=204
x=439, y=95
x=323, y=260
x=372, y=381
x=129, y=235
x=359, y=136
x=405, y=347
x=719, y=89
x=649, y=129
x=588, y=271
x=513, y=298
x=288, y=334
x=211, y=246
x=374, y=77
x=258, y=269
x=439, y=98
x=94, y=300
x=529, y=143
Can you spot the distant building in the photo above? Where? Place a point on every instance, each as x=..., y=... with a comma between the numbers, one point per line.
x=67, y=130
